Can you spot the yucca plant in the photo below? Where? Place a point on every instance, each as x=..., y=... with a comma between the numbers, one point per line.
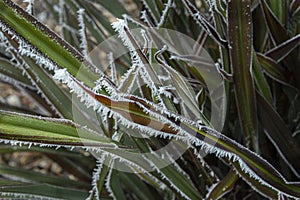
x=165, y=99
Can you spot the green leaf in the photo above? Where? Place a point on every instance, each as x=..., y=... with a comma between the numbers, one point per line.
x=8, y=69
x=240, y=39
x=25, y=128
x=276, y=30
x=35, y=177
x=224, y=186
x=282, y=50
x=279, y=9
x=263, y=189
x=45, y=40
x=276, y=71
x=38, y=191
x=260, y=80
x=279, y=134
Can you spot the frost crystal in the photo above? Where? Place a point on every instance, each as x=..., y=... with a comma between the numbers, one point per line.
x=127, y=38
x=144, y=2
x=164, y=13
x=113, y=69
x=161, y=173
x=107, y=182
x=83, y=40
x=144, y=17
x=96, y=176
x=30, y=6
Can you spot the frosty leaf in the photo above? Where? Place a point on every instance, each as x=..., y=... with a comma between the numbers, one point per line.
x=204, y=23
x=48, y=131
x=281, y=51
x=222, y=187
x=83, y=40
x=164, y=13
x=34, y=33
x=40, y=191
x=182, y=88
x=37, y=177
x=99, y=175
x=151, y=10
x=240, y=41
x=250, y=162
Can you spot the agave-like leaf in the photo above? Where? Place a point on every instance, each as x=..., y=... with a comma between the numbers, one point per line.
x=282, y=50
x=260, y=80
x=279, y=134
x=277, y=32
x=249, y=161
x=273, y=69
x=13, y=74
x=47, y=131
x=44, y=39
x=262, y=189
x=131, y=111
x=223, y=187
x=16, y=190
x=35, y=177
x=240, y=37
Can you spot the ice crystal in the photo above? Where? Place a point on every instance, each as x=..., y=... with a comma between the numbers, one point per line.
x=203, y=22
x=83, y=40
x=131, y=72
x=96, y=175
x=164, y=13
x=60, y=10
x=164, y=177
x=113, y=70
x=144, y=17
x=30, y=6
x=107, y=182
x=20, y=195
x=144, y=2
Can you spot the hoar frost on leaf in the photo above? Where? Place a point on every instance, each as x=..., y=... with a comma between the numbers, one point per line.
x=113, y=70
x=121, y=26
x=30, y=144
x=83, y=39
x=26, y=196
x=30, y=6
x=107, y=181
x=144, y=2
x=134, y=21
x=90, y=101
x=63, y=76
x=166, y=178
x=146, y=71
x=204, y=146
x=96, y=175
x=26, y=49
x=144, y=17
x=132, y=71
x=164, y=13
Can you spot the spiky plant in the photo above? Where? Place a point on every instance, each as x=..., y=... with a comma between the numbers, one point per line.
x=138, y=121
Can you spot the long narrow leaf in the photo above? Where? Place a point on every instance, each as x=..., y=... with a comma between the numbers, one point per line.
x=279, y=135
x=48, y=131
x=240, y=37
